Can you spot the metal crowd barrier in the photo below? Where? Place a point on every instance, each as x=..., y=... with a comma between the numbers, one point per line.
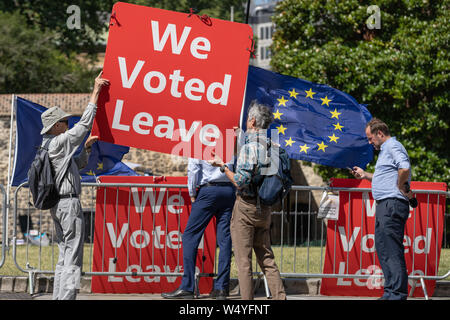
x=309, y=235
x=312, y=216
x=34, y=265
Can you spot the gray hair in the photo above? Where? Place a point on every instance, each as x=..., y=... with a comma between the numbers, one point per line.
x=262, y=115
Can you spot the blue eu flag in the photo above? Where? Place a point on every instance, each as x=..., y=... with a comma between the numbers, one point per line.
x=105, y=158
x=314, y=122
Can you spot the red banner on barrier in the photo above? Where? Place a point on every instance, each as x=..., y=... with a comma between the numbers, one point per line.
x=140, y=230
x=177, y=81
x=350, y=247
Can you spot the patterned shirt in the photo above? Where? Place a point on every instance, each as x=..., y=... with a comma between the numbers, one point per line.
x=252, y=163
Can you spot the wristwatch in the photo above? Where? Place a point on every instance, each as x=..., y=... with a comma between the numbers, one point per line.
x=222, y=168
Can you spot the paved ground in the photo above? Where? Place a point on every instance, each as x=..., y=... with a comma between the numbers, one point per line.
x=96, y=296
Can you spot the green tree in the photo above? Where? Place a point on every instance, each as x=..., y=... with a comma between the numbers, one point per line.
x=30, y=62
x=40, y=52
x=401, y=71
x=214, y=8
x=55, y=15
x=93, y=17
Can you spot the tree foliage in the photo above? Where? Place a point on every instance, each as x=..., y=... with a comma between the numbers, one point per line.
x=30, y=62
x=219, y=9
x=40, y=51
x=54, y=15
x=400, y=70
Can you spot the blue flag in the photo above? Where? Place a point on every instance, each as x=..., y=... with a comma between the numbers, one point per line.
x=105, y=158
x=314, y=122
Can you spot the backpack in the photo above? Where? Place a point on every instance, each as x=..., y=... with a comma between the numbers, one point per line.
x=41, y=180
x=276, y=187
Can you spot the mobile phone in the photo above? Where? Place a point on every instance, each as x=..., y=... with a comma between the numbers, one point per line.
x=413, y=201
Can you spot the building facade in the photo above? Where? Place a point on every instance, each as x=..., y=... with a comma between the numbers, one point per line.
x=260, y=19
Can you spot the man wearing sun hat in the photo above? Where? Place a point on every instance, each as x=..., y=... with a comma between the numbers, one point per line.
x=62, y=144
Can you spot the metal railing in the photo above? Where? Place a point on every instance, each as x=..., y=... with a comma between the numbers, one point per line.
x=296, y=249
x=35, y=265
x=321, y=240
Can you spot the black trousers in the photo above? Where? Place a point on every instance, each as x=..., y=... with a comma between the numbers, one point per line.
x=391, y=217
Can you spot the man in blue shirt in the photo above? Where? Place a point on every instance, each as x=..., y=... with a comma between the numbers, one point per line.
x=212, y=194
x=390, y=189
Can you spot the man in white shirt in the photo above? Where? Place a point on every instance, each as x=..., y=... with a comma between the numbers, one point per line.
x=212, y=194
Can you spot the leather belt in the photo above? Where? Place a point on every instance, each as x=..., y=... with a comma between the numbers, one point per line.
x=69, y=195
x=403, y=200
x=217, y=184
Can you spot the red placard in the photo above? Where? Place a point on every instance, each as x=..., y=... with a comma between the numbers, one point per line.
x=141, y=231
x=177, y=81
x=350, y=247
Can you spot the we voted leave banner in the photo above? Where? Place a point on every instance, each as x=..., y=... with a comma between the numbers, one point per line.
x=177, y=81
x=350, y=247
x=139, y=230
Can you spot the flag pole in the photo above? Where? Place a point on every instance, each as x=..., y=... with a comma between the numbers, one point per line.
x=248, y=12
x=245, y=90
x=13, y=106
x=8, y=186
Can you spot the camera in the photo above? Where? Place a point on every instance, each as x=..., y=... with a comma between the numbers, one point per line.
x=413, y=201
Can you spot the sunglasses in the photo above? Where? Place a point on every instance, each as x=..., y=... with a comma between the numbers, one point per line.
x=64, y=121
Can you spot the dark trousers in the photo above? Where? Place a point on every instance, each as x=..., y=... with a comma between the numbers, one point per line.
x=391, y=216
x=211, y=201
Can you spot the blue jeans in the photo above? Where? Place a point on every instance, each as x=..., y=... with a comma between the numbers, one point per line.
x=211, y=201
x=391, y=216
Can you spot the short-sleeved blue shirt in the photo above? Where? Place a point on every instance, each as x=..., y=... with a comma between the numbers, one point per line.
x=393, y=156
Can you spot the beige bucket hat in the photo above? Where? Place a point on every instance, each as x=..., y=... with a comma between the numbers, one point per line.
x=52, y=116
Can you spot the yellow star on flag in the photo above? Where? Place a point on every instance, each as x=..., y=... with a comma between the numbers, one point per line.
x=333, y=138
x=90, y=173
x=310, y=93
x=337, y=126
x=282, y=101
x=99, y=165
x=335, y=114
x=322, y=146
x=289, y=142
x=277, y=115
x=293, y=93
x=281, y=129
x=325, y=101
x=304, y=148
